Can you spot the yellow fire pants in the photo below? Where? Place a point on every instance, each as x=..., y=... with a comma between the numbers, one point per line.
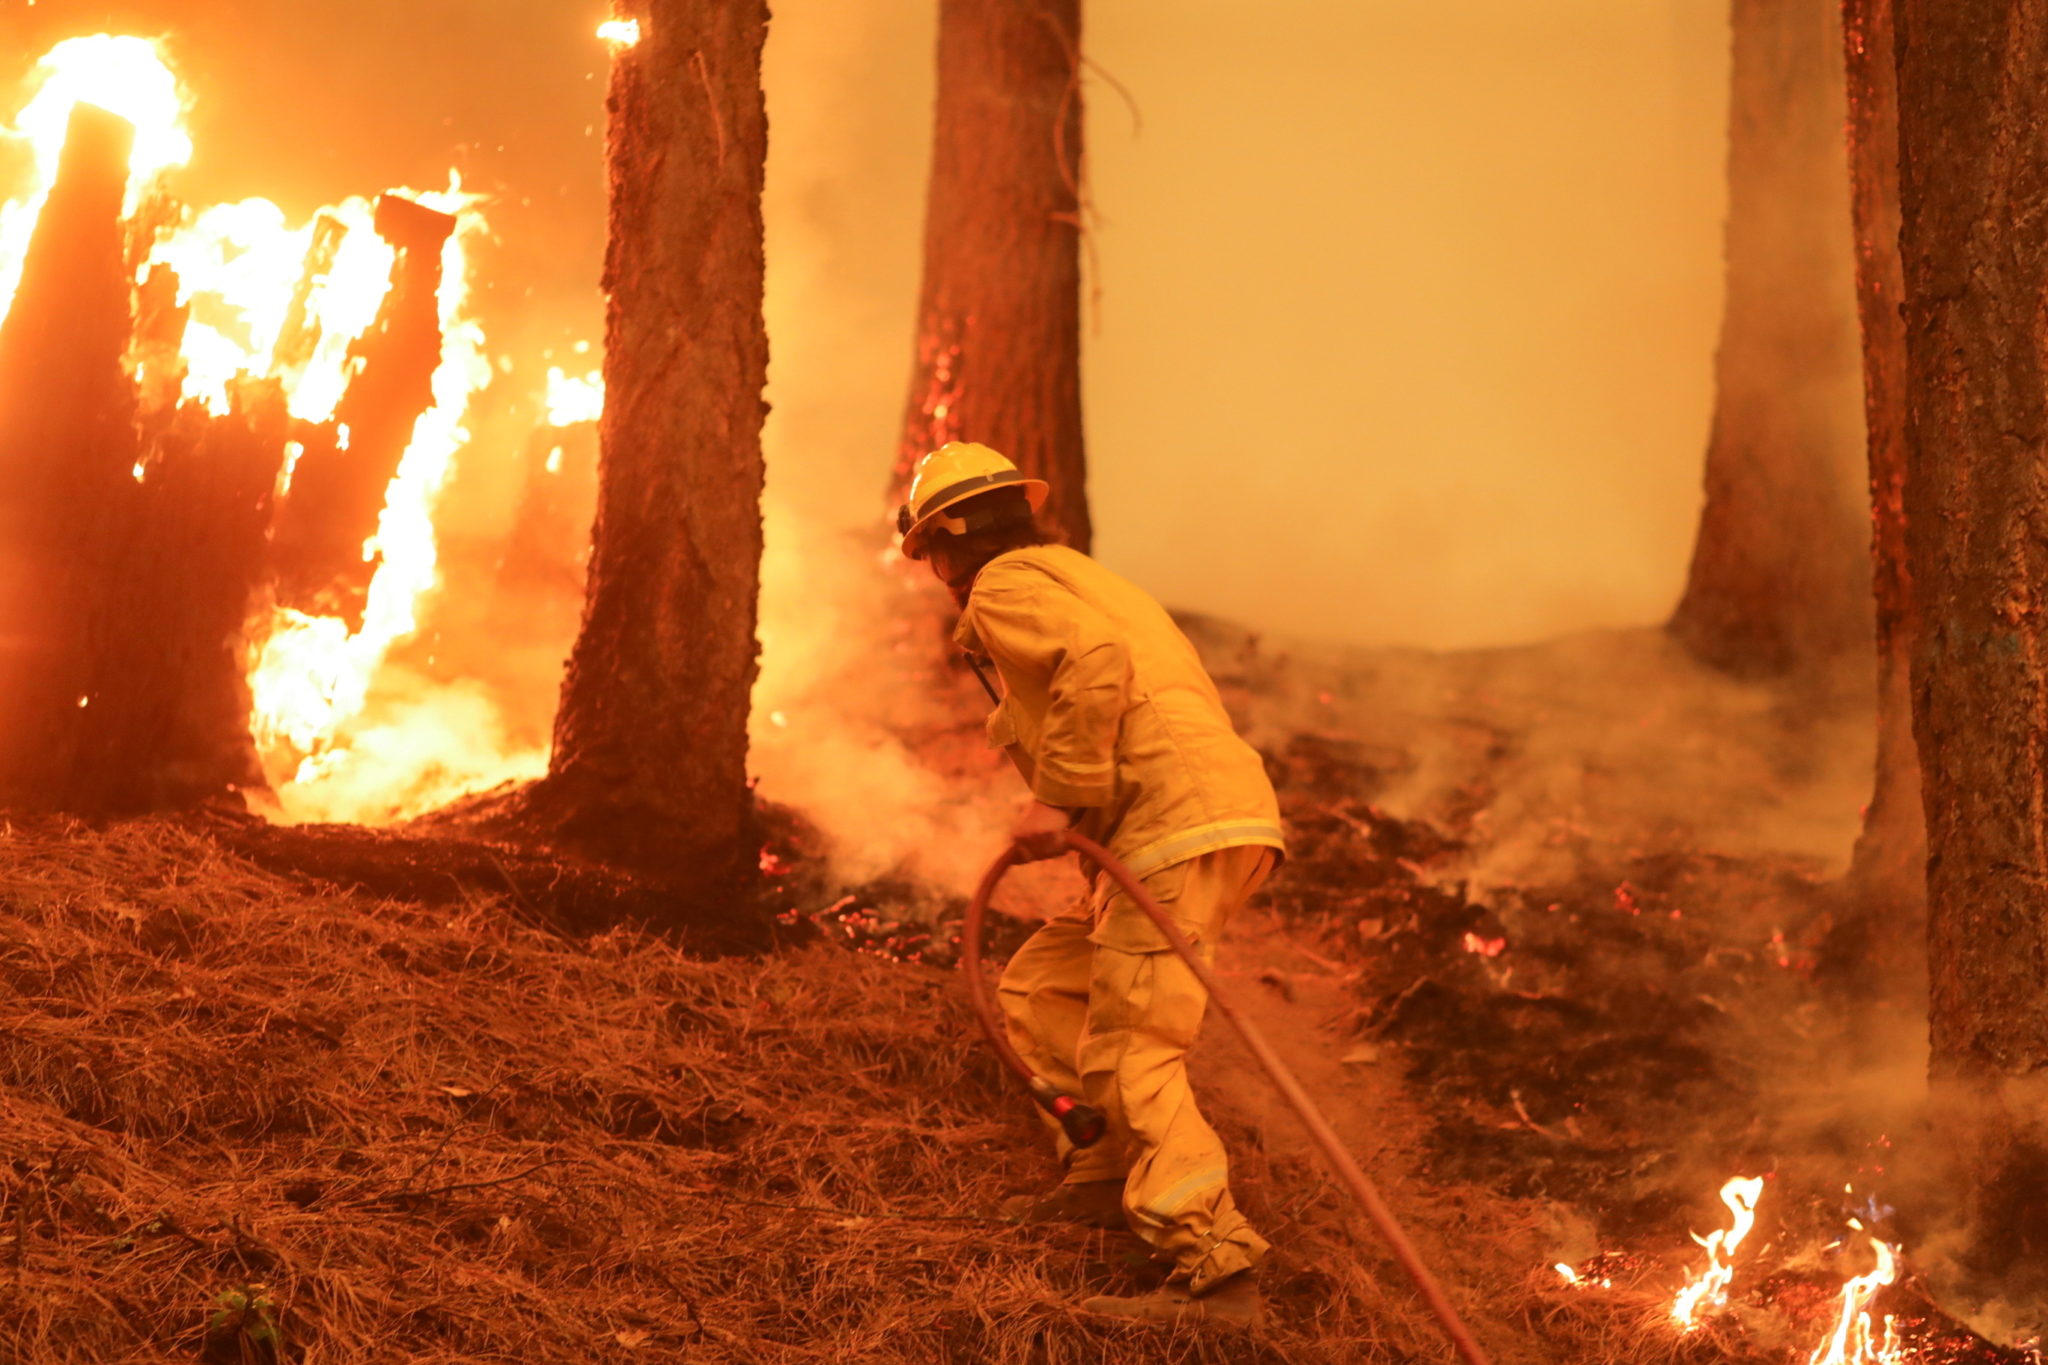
x=1096, y=1002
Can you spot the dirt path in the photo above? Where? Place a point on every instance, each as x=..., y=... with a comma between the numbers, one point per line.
x=1477, y=1245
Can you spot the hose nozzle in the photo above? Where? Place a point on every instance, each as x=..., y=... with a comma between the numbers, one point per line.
x=1084, y=1123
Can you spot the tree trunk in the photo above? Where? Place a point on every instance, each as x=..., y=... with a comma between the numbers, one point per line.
x=67, y=449
x=651, y=740
x=172, y=702
x=1779, y=578
x=999, y=316
x=1973, y=143
x=1888, y=876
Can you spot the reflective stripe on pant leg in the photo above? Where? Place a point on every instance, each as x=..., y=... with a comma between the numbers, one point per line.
x=1043, y=996
x=1143, y=1014
x=1144, y=1010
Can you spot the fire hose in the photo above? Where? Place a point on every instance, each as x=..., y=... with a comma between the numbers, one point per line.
x=1084, y=1124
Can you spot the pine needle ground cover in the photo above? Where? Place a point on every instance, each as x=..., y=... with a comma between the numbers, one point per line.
x=248, y=1119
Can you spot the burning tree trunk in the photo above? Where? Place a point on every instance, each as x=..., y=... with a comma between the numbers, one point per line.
x=999, y=318
x=650, y=743
x=1779, y=575
x=67, y=449
x=1889, y=873
x=1973, y=143
x=172, y=700
x=136, y=544
x=338, y=486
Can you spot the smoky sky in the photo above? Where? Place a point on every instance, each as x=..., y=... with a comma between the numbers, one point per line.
x=1402, y=311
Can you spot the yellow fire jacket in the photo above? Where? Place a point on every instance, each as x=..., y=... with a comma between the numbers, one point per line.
x=1107, y=709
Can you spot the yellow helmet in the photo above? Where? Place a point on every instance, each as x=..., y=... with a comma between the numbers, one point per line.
x=949, y=476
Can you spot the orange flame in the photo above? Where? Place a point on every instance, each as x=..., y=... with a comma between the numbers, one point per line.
x=1709, y=1289
x=571, y=400
x=312, y=675
x=126, y=76
x=1854, y=1341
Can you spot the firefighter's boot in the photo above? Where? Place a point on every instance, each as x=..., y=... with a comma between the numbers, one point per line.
x=1234, y=1303
x=1091, y=1203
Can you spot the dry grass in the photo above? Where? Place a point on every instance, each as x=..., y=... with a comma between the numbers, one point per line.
x=407, y=1134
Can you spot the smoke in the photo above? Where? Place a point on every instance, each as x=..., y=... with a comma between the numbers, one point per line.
x=864, y=724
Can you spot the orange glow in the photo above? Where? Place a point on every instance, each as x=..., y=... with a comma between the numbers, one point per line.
x=620, y=33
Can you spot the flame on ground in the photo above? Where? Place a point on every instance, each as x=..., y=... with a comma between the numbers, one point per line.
x=1854, y=1341
x=1709, y=1289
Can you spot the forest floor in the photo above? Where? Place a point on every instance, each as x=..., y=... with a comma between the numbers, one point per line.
x=1545, y=949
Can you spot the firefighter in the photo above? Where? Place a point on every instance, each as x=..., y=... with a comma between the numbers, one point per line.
x=1120, y=734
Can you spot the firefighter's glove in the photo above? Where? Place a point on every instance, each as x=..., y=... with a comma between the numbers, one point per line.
x=1041, y=834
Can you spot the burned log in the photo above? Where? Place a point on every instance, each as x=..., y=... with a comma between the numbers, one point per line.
x=299, y=337
x=153, y=355
x=338, y=485
x=67, y=452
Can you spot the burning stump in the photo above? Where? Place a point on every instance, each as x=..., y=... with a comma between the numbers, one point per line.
x=144, y=533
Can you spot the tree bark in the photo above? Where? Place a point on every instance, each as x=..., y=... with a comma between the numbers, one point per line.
x=999, y=315
x=172, y=703
x=1888, y=874
x=1973, y=144
x=67, y=449
x=1779, y=578
x=651, y=740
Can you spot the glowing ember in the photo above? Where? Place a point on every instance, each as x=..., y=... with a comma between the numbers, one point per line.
x=571, y=400
x=1854, y=1341
x=1485, y=947
x=123, y=75
x=1709, y=1290
x=620, y=32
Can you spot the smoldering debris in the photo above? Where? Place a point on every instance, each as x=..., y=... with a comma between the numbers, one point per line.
x=1611, y=1044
